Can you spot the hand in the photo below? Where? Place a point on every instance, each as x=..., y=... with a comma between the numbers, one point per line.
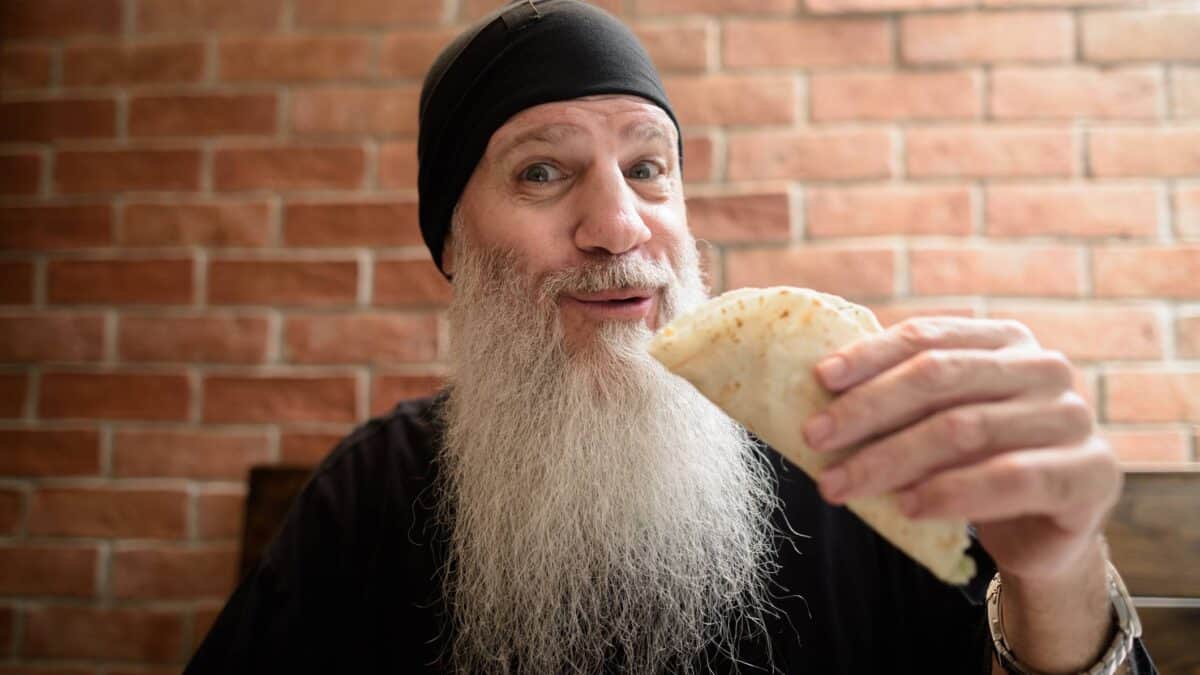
x=970, y=418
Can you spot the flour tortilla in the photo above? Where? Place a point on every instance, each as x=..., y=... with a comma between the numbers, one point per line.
x=751, y=351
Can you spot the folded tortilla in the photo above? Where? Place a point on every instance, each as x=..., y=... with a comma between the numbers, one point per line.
x=751, y=351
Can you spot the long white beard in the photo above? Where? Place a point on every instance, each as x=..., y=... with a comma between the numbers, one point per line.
x=598, y=506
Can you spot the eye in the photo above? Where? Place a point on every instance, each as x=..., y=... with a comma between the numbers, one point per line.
x=541, y=173
x=645, y=170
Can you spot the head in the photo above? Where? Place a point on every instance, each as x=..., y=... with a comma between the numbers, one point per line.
x=597, y=505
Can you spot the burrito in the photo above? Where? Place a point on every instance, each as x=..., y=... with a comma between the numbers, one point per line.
x=751, y=351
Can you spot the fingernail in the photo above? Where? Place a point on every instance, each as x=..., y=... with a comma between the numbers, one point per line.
x=833, y=482
x=832, y=369
x=817, y=429
x=909, y=503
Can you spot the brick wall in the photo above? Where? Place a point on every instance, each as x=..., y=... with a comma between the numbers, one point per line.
x=209, y=255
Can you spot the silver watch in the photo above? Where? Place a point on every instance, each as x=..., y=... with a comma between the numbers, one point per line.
x=1128, y=628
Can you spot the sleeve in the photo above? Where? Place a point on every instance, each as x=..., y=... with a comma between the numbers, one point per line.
x=290, y=613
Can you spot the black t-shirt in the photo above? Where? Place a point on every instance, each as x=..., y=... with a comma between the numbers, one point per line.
x=350, y=584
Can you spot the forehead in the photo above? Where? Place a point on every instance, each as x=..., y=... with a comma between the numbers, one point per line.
x=610, y=113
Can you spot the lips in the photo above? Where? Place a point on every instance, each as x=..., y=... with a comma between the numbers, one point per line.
x=620, y=304
x=616, y=295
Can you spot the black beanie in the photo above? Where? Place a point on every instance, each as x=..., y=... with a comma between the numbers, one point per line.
x=525, y=54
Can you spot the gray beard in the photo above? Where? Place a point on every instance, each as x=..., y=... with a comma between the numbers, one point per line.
x=598, y=507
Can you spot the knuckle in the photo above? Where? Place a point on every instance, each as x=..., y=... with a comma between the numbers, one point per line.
x=1055, y=367
x=932, y=369
x=1017, y=474
x=1016, y=331
x=1076, y=413
x=918, y=333
x=965, y=429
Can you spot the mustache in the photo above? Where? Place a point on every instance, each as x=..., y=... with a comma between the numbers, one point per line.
x=593, y=277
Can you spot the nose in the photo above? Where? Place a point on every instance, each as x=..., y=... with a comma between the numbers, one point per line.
x=609, y=220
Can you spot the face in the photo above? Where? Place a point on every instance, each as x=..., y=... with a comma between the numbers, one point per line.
x=570, y=184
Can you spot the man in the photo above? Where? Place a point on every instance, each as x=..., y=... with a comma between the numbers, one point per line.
x=566, y=505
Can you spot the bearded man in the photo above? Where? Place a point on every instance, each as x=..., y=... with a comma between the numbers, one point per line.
x=566, y=505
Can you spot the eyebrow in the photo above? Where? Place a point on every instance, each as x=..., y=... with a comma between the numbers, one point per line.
x=550, y=134
x=646, y=131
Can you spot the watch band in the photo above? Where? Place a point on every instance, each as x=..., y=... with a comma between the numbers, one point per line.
x=1129, y=627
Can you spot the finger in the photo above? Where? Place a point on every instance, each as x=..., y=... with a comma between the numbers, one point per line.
x=866, y=358
x=931, y=381
x=1074, y=486
x=954, y=437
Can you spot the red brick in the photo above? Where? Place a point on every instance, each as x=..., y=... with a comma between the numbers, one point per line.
x=11, y=510
x=408, y=53
x=410, y=283
x=294, y=58
x=942, y=95
x=120, y=281
x=308, y=449
x=174, y=572
x=57, y=119
x=650, y=7
x=219, y=512
x=7, y=631
x=1187, y=212
x=1152, y=396
x=82, y=171
x=388, y=390
x=22, y=67
x=59, y=18
x=835, y=154
x=365, y=13
x=108, y=512
x=286, y=282
x=869, y=211
x=86, y=632
x=990, y=152
x=987, y=37
x=1187, y=336
x=356, y=110
x=1148, y=446
x=189, y=16
x=398, y=165
x=114, y=396
x=142, y=63
x=55, y=227
x=202, y=622
x=1150, y=151
x=12, y=394
x=289, y=168
x=730, y=99
x=16, y=283
x=895, y=312
x=204, y=455
x=1185, y=92
x=1071, y=93
x=48, y=570
x=360, y=338
x=676, y=47
x=51, y=337
x=1072, y=210
x=1141, y=35
x=353, y=223
x=272, y=399
x=699, y=164
x=209, y=338
x=839, y=6
x=1147, y=272
x=225, y=223
x=996, y=270
x=852, y=272
x=806, y=43
x=740, y=217
x=203, y=115
x=1093, y=333
x=20, y=173
x=49, y=452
